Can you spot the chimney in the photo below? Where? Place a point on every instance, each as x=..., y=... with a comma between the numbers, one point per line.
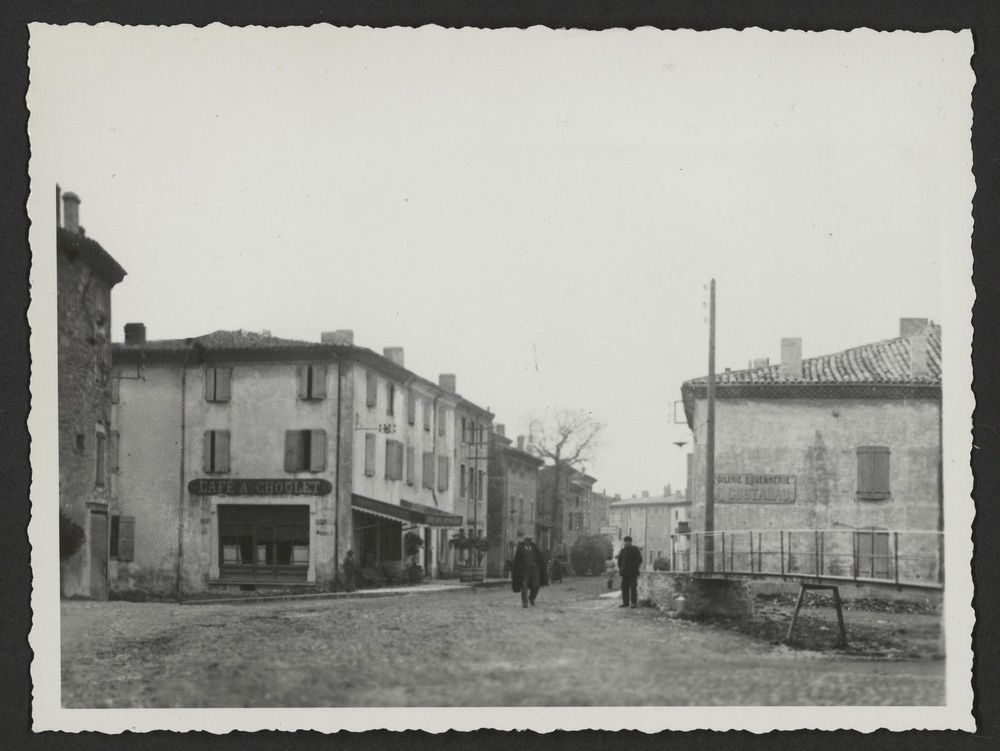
x=666, y=490
x=618, y=496
x=500, y=429
x=645, y=494
x=395, y=354
x=344, y=337
x=759, y=362
x=912, y=326
x=447, y=382
x=919, y=365
x=520, y=443
x=71, y=212
x=791, y=358
x=135, y=333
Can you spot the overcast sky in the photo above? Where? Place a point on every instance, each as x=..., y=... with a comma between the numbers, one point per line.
x=538, y=212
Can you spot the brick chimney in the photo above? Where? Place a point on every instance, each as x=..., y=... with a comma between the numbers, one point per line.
x=919, y=365
x=71, y=212
x=912, y=326
x=395, y=354
x=520, y=443
x=791, y=358
x=344, y=337
x=447, y=382
x=135, y=333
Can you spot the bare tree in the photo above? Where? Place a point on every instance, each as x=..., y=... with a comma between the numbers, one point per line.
x=565, y=438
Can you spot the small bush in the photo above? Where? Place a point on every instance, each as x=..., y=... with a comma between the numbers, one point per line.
x=589, y=554
x=71, y=537
x=661, y=564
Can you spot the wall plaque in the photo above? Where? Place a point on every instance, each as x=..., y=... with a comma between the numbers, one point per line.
x=275, y=486
x=751, y=488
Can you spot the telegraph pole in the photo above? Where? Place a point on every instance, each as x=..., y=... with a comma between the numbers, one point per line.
x=710, y=441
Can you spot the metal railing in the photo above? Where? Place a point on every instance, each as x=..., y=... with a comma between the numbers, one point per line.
x=900, y=557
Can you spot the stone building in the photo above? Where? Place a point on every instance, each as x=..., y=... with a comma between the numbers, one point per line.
x=575, y=489
x=848, y=443
x=86, y=274
x=512, y=497
x=657, y=524
x=251, y=462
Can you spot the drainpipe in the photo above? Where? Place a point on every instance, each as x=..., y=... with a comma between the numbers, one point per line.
x=336, y=480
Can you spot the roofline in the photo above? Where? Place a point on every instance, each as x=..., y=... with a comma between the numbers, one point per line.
x=523, y=455
x=92, y=252
x=142, y=354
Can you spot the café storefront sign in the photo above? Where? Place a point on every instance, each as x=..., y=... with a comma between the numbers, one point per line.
x=259, y=486
x=753, y=488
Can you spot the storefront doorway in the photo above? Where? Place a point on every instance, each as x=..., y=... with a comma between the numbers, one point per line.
x=261, y=542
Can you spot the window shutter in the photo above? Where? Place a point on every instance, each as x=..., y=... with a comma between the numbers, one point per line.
x=221, y=450
x=126, y=538
x=116, y=379
x=319, y=382
x=293, y=445
x=441, y=416
x=206, y=451
x=209, y=384
x=223, y=377
x=303, y=378
x=411, y=408
x=411, y=469
x=370, y=454
x=372, y=390
x=873, y=473
x=428, y=479
x=443, y=473
x=113, y=450
x=427, y=415
x=317, y=459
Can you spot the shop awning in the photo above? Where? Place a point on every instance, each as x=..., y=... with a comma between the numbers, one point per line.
x=407, y=511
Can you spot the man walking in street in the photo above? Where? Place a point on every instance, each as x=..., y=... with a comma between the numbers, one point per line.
x=629, y=562
x=528, y=571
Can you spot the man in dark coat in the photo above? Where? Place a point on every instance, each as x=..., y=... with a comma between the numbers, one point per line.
x=629, y=563
x=528, y=571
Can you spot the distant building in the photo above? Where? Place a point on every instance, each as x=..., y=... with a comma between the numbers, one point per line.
x=248, y=461
x=473, y=426
x=847, y=442
x=601, y=510
x=657, y=524
x=513, y=497
x=575, y=488
x=86, y=274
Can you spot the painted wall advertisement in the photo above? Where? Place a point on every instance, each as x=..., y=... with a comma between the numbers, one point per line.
x=752, y=488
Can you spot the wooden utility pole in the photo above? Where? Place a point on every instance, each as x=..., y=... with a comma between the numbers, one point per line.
x=710, y=441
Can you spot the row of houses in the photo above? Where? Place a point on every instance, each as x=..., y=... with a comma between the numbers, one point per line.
x=241, y=460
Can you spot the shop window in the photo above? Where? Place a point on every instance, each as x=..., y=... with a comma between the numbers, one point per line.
x=122, y=538
x=428, y=476
x=411, y=465
x=443, y=472
x=873, y=473
x=370, y=454
x=411, y=408
x=217, y=384
x=270, y=542
x=100, y=467
x=305, y=450
x=393, y=460
x=312, y=382
x=215, y=451
x=371, y=390
x=113, y=451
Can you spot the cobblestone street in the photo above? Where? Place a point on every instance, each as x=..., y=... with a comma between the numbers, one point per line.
x=474, y=647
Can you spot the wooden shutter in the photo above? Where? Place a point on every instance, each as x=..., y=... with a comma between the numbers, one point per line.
x=411, y=408
x=319, y=382
x=303, y=378
x=293, y=450
x=223, y=381
x=443, y=473
x=209, y=384
x=126, y=538
x=442, y=414
x=116, y=379
x=317, y=451
x=371, y=397
x=221, y=451
x=370, y=454
x=411, y=461
x=873, y=473
x=428, y=479
x=113, y=450
x=206, y=452
x=427, y=414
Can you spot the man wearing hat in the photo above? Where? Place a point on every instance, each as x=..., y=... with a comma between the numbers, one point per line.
x=528, y=570
x=629, y=563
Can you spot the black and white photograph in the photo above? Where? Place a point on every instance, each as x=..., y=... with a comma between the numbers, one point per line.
x=445, y=378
